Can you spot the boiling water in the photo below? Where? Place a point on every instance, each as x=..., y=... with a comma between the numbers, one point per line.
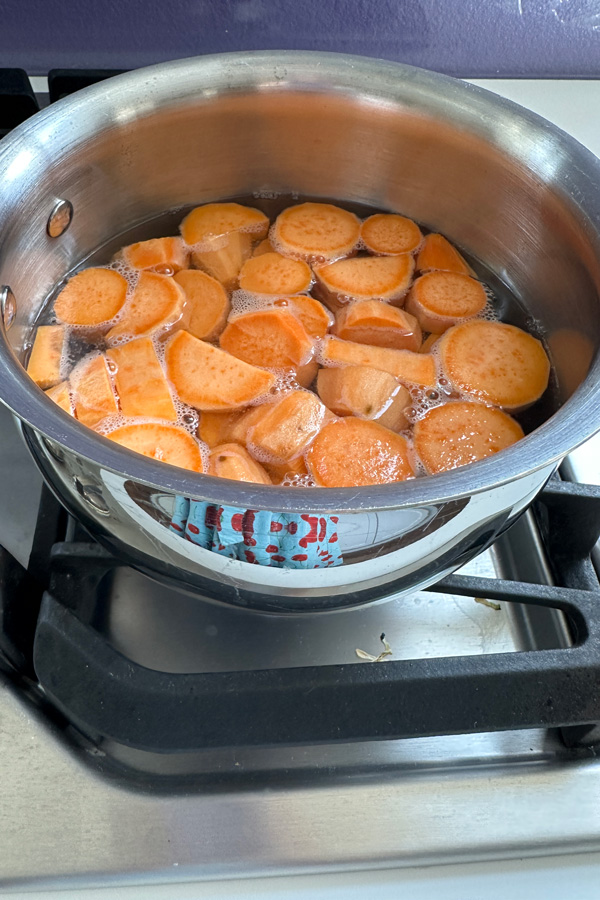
x=502, y=305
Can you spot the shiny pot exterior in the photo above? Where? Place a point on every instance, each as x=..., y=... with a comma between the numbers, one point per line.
x=504, y=184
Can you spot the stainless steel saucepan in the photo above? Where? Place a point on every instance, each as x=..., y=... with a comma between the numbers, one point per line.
x=505, y=185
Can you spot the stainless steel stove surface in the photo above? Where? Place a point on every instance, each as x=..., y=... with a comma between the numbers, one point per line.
x=82, y=812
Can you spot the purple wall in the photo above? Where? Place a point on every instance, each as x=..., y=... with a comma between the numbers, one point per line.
x=543, y=38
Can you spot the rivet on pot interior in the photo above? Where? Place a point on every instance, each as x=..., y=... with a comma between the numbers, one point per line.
x=60, y=218
x=8, y=306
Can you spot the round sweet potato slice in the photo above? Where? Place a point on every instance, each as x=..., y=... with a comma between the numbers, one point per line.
x=496, y=362
x=315, y=232
x=462, y=432
x=440, y=300
x=387, y=234
x=91, y=297
x=353, y=452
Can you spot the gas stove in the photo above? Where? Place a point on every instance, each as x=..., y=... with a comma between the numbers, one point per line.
x=164, y=738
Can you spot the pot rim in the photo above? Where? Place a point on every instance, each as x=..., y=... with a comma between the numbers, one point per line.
x=175, y=82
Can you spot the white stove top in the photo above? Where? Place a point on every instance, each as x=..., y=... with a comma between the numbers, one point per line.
x=388, y=824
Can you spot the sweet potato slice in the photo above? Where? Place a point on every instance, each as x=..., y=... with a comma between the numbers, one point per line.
x=270, y=337
x=263, y=247
x=305, y=375
x=406, y=366
x=233, y=461
x=155, y=306
x=215, y=219
x=206, y=304
x=46, y=355
x=352, y=452
x=428, y=343
x=92, y=391
x=165, y=255
x=440, y=300
x=389, y=234
x=379, y=324
x=462, y=432
x=228, y=427
x=221, y=236
x=209, y=378
x=61, y=395
x=365, y=393
x=278, y=472
x=496, y=362
x=167, y=443
x=272, y=273
x=315, y=232
x=365, y=278
x=286, y=427
x=222, y=257
x=140, y=381
x=315, y=317
x=438, y=254
x=91, y=297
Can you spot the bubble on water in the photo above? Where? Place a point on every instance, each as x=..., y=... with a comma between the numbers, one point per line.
x=266, y=194
x=295, y=481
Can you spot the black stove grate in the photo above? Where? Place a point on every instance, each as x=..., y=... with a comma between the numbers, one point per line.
x=106, y=695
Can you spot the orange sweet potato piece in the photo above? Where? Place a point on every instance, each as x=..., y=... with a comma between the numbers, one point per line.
x=351, y=452
x=365, y=393
x=440, y=300
x=44, y=362
x=315, y=317
x=233, y=461
x=278, y=472
x=462, y=432
x=428, y=343
x=438, y=254
x=209, y=378
x=92, y=392
x=315, y=232
x=221, y=236
x=155, y=305
x=140, y=381
x=389, y=234
x=206, y=304
x=406, y=366
x=61, y=395
x=305, y=375
x=214, y=219
x=227, y=427
x=263, y=247
x=268, y=337
x=365, y=278
x=165, y=255
x=496, y=362
x=222, y=257
x=286, y=427
x=379, y=324
x=167, y=443
x=91, y=297
x=272, y=273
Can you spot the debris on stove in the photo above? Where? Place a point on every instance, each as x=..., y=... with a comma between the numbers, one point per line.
x=368, y=657
x=488, y=603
